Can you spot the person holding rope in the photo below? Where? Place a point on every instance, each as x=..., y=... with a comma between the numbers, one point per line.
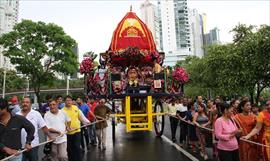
x=192, y=137
x=246, y=121
x=84, y=131
x=101, y=112
x=182, y=114
x=58, y=122
x=201, y=119
x=36, y=119
x=74, y=135
x=263, y=122
x=226, y=131
x=92, y=104
x=10, y=132
x=172, y=109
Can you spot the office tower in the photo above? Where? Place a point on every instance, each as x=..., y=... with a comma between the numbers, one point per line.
x=150, y=15
x=8, y=18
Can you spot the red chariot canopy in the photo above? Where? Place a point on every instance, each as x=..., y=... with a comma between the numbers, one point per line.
x=132, y=32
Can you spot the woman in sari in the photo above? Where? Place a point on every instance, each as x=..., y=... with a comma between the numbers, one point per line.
x=263, y=122
x=246, y=121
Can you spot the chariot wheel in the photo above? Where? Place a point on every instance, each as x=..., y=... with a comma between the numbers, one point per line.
x=159, y=120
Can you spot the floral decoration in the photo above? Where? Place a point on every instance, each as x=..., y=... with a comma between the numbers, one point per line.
x=180, y=75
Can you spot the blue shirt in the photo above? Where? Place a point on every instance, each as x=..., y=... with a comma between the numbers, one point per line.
x=61, y=105
x=85, y=109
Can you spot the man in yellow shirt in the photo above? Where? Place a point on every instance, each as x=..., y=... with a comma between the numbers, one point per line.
x=74, y=135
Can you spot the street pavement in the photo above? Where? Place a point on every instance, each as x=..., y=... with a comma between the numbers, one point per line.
x=135, y=146
x=139, y=146
x=167, y=133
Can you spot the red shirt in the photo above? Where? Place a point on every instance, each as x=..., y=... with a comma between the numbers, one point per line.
x=92, y=109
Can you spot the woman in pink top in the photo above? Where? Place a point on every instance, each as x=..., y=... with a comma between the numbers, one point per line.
x=226, y=131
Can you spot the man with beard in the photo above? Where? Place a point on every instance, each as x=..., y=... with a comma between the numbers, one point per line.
x=10, y=132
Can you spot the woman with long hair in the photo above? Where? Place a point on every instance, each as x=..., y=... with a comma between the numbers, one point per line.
x=263, y=122
x=226, y=131
x=246, y=121
x=201, y=119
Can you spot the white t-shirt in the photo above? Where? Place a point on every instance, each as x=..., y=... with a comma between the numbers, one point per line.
x=57, y=122
x=38, y=122
x=172, y=109
x=182, y=108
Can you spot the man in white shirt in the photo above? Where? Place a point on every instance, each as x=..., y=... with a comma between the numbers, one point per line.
x=172, y=108
x=58, y=122
x=36, y=119
x=182, y=114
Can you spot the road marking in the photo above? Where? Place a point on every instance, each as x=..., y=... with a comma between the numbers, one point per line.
x=187, y=154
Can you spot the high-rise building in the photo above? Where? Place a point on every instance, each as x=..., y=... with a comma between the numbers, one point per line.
x=176, y=31
x=196, y=26
x=212, y=37
x=8, y=18
x=182, y=26
x=150, y=15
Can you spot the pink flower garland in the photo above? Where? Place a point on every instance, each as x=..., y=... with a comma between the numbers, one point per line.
x=180, y=75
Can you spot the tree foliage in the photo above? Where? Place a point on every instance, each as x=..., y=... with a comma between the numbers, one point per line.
x=239, y=67
x=13, y=81
x=40, y=50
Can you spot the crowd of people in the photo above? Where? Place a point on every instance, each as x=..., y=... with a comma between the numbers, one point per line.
x=61, y=122
x=236, y=129
x=226, y=125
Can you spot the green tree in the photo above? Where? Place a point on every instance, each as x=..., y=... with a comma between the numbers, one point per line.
x=13, y=81
x=240, y=67
x=253, y=50
x=40, y=50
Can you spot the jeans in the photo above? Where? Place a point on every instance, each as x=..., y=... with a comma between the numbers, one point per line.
x=84, y=136
x=73, y=147
x=92, y=133
x=16, y=158
x=31, y=155
x=228, y=155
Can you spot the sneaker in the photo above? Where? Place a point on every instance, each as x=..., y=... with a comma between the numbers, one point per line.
x=173, y=140
x=93, y=144
x=104, y=148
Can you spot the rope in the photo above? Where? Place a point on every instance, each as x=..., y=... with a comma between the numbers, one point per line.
x=43, y=143
x=212, y=130
x=263, y=145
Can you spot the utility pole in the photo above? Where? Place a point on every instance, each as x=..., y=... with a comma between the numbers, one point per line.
x=68, y=84
x=27, y=86
x=4, y=81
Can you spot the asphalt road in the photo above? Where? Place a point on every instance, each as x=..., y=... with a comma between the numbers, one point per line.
x=139, y=146
x=135, y=146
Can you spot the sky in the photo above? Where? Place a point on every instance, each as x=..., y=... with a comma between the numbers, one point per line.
x=92, y=22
